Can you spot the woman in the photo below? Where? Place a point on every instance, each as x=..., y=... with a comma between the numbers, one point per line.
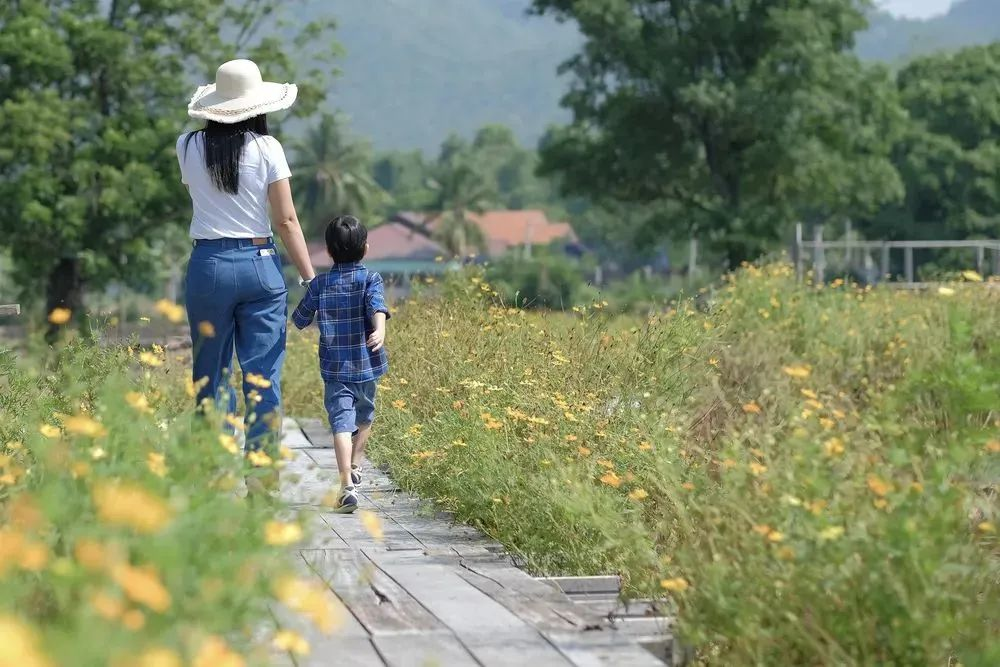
x=236, y=294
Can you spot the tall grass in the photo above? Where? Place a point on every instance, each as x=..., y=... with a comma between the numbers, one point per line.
x=809, y=473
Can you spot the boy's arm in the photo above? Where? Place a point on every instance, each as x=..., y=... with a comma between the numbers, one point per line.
x=377, y=311
x=306, y=310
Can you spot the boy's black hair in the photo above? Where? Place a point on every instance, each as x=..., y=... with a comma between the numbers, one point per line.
x=346, y=239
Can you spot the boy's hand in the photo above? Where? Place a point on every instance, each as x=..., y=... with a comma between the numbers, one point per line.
x=377, y=339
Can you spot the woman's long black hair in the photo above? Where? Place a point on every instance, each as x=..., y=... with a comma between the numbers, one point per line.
x=224, y=149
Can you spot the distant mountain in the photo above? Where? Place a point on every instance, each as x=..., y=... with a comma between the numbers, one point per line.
x=417, y=70
x=895, y=40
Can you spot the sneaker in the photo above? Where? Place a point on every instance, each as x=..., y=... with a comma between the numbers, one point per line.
x=347, y=502
x=355, y=474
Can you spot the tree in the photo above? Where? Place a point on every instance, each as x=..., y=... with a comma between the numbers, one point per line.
x=949, y=157
x=460, y=190
x=335, y=173
x=747, y=114
x=93, y=99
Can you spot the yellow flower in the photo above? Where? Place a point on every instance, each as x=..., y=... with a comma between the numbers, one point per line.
x=259, y=458
x=91, y=554
x=258, y=381
x=752, y=408
x=60, y=316
x=833, y=447
x=228, y=443
x=611, y=479
x=34, y=556
x=277, y=533
x=399, y=404
x=157, y=657
x=19, y=645
x=993, y=447
x=675, y=585
x=150, y=359
x=157, y=464
x=215, y=652
x=49, y=431
x=107, y=606
x=809, y=393
x=638, y=495
x=946, y=291
x=170, y=310
x=311, y=600
x=687, y=486
x=206, y=329
x=878, y=486
x=142, y=585
x=287, y=640
x=757, y=468
x=138, y=402
x=713, y=362
x=133, y=620
x=571, y=438
x=775, y=536
x=130, y=505
x=372, y=524
x=831, y=533
x=972, y=276
x=797, y=372
x=645, y=446
x=583, y=451
x=235, y=422
x=986, y=527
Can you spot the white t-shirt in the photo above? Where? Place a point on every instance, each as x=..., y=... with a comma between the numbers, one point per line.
x=219, y=214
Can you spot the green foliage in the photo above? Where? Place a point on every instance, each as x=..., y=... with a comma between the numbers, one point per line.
x=93, y=98
x=121, y=531
x=748, y=119
x=949, y=157
x=545, y=280
x=333, y=175
x=804, y=493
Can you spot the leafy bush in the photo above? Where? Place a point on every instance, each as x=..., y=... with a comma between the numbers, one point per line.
x=808, y=473
x=122, y=540
x=547, y=280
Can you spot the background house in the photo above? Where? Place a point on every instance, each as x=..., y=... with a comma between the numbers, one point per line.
x=404, y=246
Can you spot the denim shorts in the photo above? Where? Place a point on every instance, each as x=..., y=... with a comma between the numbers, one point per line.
x=349, y=404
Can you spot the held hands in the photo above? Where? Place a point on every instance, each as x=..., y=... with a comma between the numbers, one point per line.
x=377, y=339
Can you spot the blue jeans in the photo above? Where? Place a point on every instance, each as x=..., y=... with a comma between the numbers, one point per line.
x=349, y=404
x=236, y=297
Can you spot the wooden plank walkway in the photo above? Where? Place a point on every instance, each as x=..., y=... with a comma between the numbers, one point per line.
x=431, y=592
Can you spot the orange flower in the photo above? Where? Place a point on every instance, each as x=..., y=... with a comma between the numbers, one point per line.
x=638, y=495
x=130, y=505
x=611, y=479
x=142, y=585
x=752, y=408
x=60, y=316
x=878, y=486
x=675, y=585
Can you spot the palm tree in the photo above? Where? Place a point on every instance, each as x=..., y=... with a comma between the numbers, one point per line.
x=460, y=190
x=334, y=173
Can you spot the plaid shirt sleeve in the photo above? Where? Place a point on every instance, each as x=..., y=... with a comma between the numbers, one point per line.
x=375, y=297
x=306, y=310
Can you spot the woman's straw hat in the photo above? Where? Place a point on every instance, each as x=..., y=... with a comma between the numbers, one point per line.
x=240, y=93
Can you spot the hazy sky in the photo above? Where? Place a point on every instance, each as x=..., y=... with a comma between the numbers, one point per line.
x=918, y=9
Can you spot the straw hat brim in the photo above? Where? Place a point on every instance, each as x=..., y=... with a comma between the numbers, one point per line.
x=208, y=104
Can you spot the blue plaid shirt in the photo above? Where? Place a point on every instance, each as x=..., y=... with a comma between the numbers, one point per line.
x=346, y=300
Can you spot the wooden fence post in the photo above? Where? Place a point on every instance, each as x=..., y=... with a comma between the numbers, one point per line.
x=980, y=259
x=819, y=256
x=798, y=251
x=886, y=268
x=692, y=259
x=908, y=264
x=849, y=244
x=996, y=261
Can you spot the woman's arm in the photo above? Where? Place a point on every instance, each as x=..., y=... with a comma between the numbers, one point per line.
x=286, y=221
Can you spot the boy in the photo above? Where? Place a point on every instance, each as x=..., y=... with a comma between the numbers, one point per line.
x=350, y=303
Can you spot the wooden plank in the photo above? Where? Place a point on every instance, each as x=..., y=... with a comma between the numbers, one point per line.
x=317, y=431
x=324, y=458
x=350, y=529
x=491, y=632
x=602, y=649
x=292, y=436
x=573, y=585
x=535, y=612
x=441, y=649
x=9, y=310
x=355, y=652
x=376, y=601
x=319, y=534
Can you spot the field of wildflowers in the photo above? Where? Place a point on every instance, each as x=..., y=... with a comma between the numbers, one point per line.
x=809, y=472
x=123, y=540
